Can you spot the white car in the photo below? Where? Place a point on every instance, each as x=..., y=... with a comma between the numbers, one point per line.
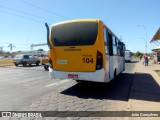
x=25, y=59
x=128, y=56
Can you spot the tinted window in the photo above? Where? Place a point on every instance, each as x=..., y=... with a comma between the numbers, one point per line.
x=114, y=45
x=74, y=34
x=26, y=57
x=121, y=48
x=105, y=40
x=110, y=44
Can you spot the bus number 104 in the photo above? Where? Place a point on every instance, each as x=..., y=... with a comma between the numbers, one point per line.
x=87, y=60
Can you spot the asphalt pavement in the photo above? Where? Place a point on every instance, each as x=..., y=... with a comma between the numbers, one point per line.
x=30, y=89
x=19, y=86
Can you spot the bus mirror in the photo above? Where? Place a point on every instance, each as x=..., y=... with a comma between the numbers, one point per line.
x=47, y=27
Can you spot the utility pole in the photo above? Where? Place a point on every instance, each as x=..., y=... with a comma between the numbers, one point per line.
x=146, y=36
x=11, y=47
x=1, y=49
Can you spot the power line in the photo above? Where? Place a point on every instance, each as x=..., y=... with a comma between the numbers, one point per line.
x=22, y=16
x=25, y=13
x=14, y=43
x=35, y=6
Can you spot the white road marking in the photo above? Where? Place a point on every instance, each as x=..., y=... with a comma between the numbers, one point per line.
x=58, y=83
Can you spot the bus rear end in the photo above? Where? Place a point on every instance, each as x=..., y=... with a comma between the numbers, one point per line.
x=74, y=52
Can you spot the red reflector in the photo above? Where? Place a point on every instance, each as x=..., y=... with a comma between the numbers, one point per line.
x=99, y=56
x=72, y=76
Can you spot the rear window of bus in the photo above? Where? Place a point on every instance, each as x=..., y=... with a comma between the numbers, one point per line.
x=74, y=34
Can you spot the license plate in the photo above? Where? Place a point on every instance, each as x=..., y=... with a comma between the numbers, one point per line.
x=72, y=75
x=61, y=61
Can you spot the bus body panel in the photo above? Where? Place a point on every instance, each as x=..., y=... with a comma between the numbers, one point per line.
x=74, y=59
x=122, y=61
x=107, y=70
x=111, y=67
x=118, y=64
x=97, y=76
x=115, y=65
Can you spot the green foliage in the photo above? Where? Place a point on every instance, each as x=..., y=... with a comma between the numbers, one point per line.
x=137, y=54
x=40, y=50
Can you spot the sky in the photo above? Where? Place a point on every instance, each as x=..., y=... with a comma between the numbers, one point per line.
x=22, y=21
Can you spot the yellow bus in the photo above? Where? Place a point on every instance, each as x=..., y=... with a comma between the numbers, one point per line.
x=84, y=50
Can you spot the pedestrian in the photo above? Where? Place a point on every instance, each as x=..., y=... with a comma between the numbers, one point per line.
x=146, y=60
x=140, y=57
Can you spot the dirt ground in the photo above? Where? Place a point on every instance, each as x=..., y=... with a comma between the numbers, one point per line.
x=6, y=62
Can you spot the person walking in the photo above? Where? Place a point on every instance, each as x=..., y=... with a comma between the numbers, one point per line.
x=146, y=60
x=140, y=57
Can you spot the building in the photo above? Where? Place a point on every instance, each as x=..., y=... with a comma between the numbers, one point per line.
x=156, y=40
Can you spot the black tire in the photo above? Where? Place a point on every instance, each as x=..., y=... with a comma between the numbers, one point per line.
x=24, y=64
x=15, y=64
x=80, y=81
x=115, y=72
x=46, y=67
x=37, y=63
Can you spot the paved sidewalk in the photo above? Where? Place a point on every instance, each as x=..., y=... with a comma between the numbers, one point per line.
x=145, y=91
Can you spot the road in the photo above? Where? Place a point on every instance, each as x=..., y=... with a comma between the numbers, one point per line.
x=22, y=86
x=19, y=86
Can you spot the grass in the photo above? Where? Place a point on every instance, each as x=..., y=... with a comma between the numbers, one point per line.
x=6, y=62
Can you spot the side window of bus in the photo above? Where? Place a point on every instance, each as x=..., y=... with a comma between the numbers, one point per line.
x=110, y=46
x=105, y=40
x=124, y=48
x=120, y=46
x=114, y=45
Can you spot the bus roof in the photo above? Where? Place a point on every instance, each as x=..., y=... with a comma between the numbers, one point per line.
x=86, y=20
x=77, y=20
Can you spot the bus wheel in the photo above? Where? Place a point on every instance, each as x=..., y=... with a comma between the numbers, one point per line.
x=115, y=72
x=79, y=81
x=46, y=67
x=15, y=64
x=24, y=64
x=37, y=63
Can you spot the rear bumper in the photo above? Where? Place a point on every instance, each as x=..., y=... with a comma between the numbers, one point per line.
x=97, y=76
x=19, y=62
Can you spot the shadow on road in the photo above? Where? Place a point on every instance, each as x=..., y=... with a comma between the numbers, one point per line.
x=133, y=61
x=115, y=90
x=145, y=88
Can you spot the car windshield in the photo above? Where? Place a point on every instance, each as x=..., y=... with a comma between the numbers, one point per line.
x=18, y=56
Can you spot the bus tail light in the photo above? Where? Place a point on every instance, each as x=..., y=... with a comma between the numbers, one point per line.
x=99, y=63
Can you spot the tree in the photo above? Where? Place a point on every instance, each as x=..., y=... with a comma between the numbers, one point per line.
x=137, y=54
x=8, y=53
x=40, y=50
